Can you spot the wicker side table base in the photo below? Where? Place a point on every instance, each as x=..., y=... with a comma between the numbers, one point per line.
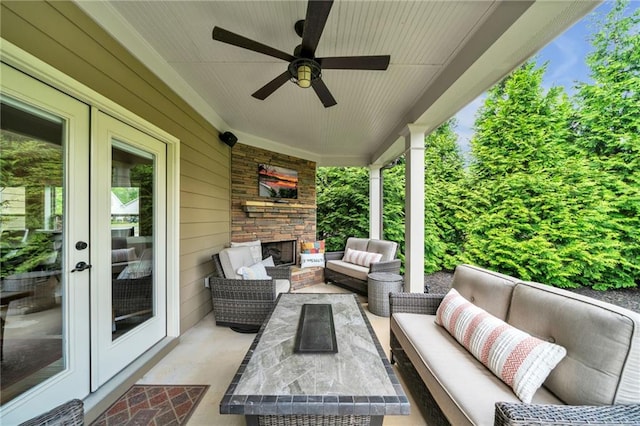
x=379, y=286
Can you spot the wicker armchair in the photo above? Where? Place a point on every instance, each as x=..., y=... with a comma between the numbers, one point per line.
x=71, y=413
x=243, y=305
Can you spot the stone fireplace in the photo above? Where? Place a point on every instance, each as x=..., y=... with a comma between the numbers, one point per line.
x=273, y=222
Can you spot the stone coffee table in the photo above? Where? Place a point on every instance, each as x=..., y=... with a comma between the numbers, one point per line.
x=275, y=385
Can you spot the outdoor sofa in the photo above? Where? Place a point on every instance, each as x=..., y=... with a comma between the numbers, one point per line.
x=596, y=382
x=361, y=256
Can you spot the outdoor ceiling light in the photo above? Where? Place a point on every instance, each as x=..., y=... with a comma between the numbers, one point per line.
x=304, y=76
x=304, y=71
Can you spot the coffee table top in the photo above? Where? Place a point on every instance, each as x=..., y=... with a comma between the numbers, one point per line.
x=358, y=379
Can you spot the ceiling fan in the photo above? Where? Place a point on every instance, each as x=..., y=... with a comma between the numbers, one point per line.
x=304, y=68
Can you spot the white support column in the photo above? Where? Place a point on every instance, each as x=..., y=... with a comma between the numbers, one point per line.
x=375, y=202
x=414, y=209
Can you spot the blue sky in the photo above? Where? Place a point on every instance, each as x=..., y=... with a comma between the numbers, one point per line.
x=566, y=66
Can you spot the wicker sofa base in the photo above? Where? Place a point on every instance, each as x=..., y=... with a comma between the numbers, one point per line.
x=314, y=420
x=427, y=405
x=345, y=281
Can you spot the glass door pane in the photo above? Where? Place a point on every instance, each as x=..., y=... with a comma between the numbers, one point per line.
x=132, y=237
x=31, y=217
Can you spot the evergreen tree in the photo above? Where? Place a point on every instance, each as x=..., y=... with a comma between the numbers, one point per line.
x=393, y=204
x=608, y=132
x=342, y=205
x=536, y=213
x=443, y=176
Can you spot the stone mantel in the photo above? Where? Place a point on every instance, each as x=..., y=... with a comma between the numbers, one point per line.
x=274, y=209
x=267, y=204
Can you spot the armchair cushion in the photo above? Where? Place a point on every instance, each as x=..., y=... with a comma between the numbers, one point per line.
x=233, y=259
x=254, y=246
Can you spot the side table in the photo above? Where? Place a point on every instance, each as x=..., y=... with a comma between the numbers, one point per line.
x=380, y=285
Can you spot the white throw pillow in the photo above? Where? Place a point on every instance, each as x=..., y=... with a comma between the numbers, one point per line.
x=268, y=262
x=518, y=359
x=362, y=258
x=254, y=272
x=308, y=260
x=254, y=246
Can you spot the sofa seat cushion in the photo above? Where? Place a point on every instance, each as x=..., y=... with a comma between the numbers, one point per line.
x=465, y=390
x=350, y=269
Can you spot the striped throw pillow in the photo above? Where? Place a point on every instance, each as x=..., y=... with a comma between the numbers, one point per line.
x=362, y=258
x=521, y=361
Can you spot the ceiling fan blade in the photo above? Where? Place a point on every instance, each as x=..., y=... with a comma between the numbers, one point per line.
x=314, y=22
x=323, y=93
x=228, y=37
x=271, y=86
x=355, y=62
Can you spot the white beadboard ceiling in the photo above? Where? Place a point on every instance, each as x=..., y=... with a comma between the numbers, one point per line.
x=443, y=55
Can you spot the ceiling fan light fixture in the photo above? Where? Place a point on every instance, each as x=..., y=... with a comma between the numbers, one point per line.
x=304, y=76
x=304, y=71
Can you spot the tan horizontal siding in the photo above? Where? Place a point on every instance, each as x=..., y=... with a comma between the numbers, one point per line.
x=60, y=34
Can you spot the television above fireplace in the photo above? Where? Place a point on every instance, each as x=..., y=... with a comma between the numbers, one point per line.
x=277, y=182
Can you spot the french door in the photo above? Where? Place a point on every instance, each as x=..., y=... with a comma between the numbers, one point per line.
x=44, y=213
x=129, y=187
x=83, y=224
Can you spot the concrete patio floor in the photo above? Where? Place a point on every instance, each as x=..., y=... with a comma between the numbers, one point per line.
x=210, y=355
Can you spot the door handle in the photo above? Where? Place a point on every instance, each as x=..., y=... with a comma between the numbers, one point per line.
x=81, y=266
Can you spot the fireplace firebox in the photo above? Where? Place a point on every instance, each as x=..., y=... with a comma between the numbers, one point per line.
x=283, y=252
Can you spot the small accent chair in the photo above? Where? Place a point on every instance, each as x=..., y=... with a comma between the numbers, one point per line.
x=71, y=413
x=243, y=305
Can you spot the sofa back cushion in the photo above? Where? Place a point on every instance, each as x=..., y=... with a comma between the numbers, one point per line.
x=602, y=365
x=356, y=244
x=386, y=248
x=486, y=289
x=234, y=258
